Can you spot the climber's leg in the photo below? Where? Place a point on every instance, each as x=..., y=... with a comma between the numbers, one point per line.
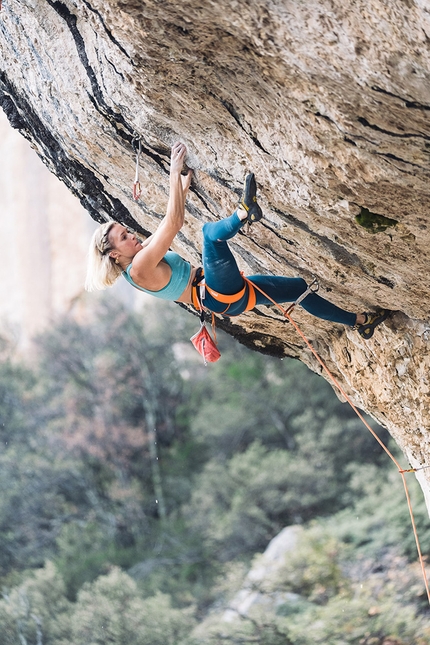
x=222, y=230
x=220, y=268
x=282, y=289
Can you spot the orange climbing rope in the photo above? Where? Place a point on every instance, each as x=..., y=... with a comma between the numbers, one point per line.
x=401, y=470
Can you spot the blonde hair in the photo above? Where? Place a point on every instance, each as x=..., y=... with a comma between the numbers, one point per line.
x=102, y=271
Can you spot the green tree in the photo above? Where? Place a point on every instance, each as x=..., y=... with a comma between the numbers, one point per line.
x=36, y=611
x=16, y=404
x=110, y=611
x=120, y=414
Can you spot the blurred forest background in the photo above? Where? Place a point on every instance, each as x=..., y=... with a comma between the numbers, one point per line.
x=138, y=488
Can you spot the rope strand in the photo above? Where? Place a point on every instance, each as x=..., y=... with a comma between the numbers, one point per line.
x=360, y=416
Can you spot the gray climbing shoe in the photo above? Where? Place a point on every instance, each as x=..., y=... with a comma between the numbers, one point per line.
x=249, y=199
x=372, y=321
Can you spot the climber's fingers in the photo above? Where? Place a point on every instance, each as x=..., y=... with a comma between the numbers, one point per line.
x=179, y=151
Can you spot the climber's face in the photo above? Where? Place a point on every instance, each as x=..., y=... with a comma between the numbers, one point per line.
x=124, y=243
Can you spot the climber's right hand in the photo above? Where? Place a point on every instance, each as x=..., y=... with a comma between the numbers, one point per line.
x=177, y=157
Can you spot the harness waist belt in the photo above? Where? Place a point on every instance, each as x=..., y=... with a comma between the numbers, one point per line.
x=222, y=297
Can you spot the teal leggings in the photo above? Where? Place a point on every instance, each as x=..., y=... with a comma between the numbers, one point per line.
x=222, y=274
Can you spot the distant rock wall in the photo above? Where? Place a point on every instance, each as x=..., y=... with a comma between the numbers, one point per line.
x=327, y=101
x=45, y=234
x=256, y=593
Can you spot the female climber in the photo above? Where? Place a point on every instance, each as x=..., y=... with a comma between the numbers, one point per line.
x=149, y=265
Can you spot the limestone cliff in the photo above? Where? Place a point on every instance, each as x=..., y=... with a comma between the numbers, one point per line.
x=326, y=101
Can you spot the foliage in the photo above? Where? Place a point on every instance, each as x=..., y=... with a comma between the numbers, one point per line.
x=111, y=611
x=326, y=592
x=147, y=483
x=87, y=549
x=314, y=568
x=237, y=506
x=36, y=611
x=16, y=409
x=378, y=516
x=38, y=495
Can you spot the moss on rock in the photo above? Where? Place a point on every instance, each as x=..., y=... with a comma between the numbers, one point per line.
x=374, y=223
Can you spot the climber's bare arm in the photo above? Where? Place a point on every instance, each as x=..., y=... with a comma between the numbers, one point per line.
x=147, y=262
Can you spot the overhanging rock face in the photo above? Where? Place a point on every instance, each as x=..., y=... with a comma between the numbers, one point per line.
x=327, y=102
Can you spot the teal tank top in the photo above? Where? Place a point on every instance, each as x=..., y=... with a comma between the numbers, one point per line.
x=181, y=271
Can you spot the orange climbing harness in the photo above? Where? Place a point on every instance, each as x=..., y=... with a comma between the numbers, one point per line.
x=199, y=287
x=401, y=470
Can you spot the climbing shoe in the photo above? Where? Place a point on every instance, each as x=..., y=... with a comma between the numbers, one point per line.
x=249, y=199
x=372, y=321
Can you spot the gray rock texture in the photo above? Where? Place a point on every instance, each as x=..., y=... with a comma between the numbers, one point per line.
x=327, y=101
x=253, y=592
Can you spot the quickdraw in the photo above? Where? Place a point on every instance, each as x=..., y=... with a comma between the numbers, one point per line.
x=137, y=146
x=312, y=288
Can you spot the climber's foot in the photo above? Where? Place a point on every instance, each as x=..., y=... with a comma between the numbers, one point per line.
x=372, y=320
x=249, y=199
